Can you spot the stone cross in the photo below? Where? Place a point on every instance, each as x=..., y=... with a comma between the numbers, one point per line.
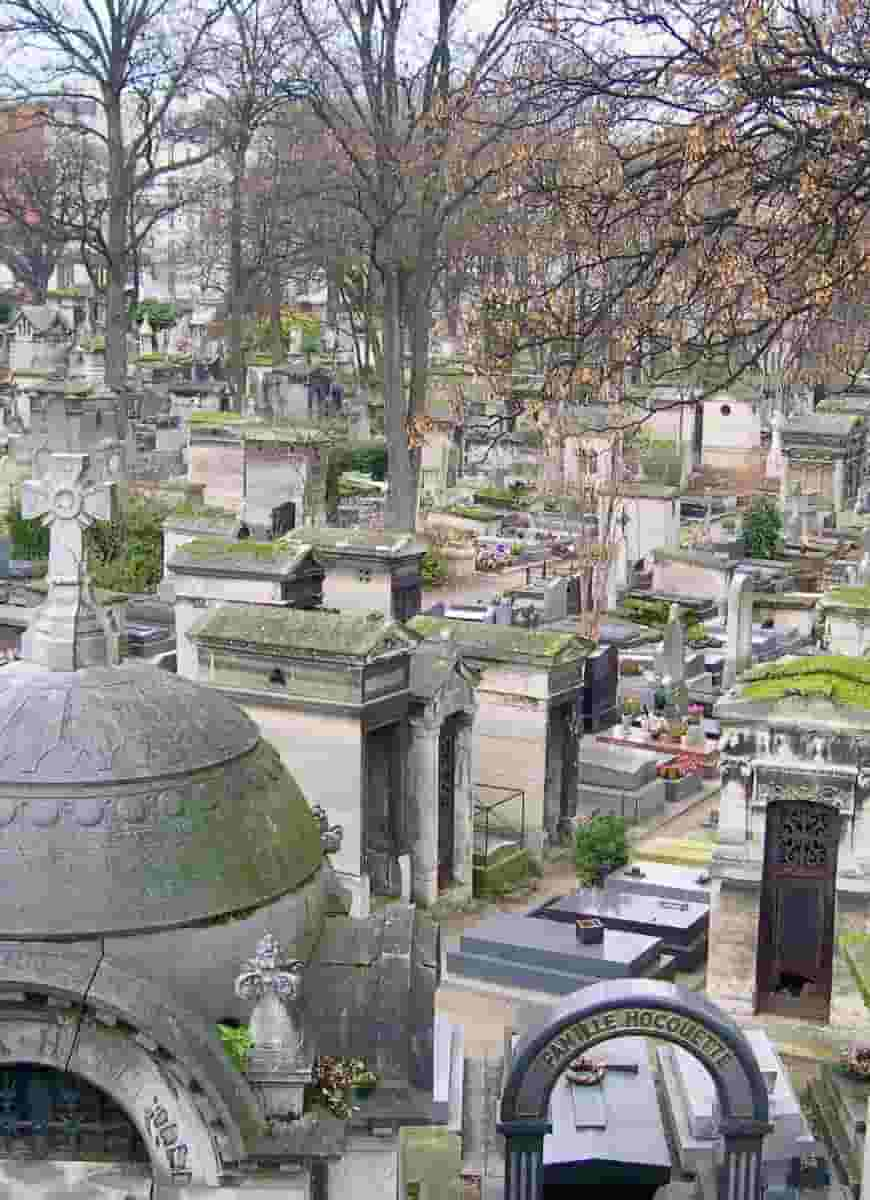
x=68, y=630
x=68, y=503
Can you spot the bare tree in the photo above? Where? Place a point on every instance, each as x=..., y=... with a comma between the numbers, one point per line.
x=40, y=201
x=114, y=76
x=419, y=141
x=249, y=56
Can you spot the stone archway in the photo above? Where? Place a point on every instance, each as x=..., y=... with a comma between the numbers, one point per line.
x=621, y=1008
x=125, y=1034
x=179, y=1145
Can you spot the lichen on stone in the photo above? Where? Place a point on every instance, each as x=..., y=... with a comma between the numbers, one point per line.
x=835, y=677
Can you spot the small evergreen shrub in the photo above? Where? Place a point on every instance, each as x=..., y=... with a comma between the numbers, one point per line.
x=600, y=846
x=433, y=569
x=762, y=528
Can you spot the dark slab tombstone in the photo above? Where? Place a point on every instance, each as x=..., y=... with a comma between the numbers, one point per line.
x=283, y=519
x=796, y=918
x=682, y=924
x=600, y=686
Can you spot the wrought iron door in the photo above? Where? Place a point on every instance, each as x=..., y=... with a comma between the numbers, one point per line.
x=796, y=918
x=446, y=800
x=46, y=1113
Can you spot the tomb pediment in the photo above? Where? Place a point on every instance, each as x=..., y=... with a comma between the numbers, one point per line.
x=297, y=633
x=220, y=555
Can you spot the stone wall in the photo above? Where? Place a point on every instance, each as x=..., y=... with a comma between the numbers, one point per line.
x=511, y=734
x=357, y=587
x=324, y=752
x=221, y=468
x=675, y=577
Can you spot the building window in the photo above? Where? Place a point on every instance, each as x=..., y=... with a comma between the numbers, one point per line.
x=277, y=676
x=725, y=410
x=364, y=575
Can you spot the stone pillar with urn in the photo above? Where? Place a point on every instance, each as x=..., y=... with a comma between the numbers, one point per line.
x=279, y=1064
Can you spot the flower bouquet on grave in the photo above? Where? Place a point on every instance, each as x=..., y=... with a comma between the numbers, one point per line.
x=584, y=1072
x=696, y=714
x=856, y=1061
x=362, y=1080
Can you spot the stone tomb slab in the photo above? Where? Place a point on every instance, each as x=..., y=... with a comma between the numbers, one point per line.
x=545, y=956
x=681, y=924
x=663, y=880
x=602, y=764
x=608, y=1139
x=691, y=1099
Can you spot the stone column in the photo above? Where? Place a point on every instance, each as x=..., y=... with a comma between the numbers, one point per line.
x=741, y=1177
x=423, y=811
x=524, y=1158
x=463, y=802
x=839, y=496
x=739, y=651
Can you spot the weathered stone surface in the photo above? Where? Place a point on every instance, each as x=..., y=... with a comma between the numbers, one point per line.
x=150, y=802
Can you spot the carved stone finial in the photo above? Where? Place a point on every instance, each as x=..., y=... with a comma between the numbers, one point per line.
x=277, y=1065
x=330, y=835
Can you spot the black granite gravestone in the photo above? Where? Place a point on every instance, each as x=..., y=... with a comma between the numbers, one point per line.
x=600, y=685
x=682, y=924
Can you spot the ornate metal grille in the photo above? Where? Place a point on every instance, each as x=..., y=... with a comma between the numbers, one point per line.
x=45, y=1113
x=805, y=837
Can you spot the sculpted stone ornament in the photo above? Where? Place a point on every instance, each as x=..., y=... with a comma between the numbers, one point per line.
x=330, y=835
x=277, y=1066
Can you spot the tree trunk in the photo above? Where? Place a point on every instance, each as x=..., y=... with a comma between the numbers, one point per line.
x=237, y=299
x=400, y=509
x=116, y=300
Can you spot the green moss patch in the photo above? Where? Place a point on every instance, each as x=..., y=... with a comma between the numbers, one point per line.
x=850, y=597
x=505, y=642
x=855, y=948
x=501, y=873
x=830, y=676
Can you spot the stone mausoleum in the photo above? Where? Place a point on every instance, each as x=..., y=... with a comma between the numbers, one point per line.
x=150, y=839
x=792, y=864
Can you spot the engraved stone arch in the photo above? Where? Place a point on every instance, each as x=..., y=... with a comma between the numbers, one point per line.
x=177, y=1138
x=621, y=1008
x=156, y=1046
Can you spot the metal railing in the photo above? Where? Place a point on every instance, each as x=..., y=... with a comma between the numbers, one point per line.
x=488, y=799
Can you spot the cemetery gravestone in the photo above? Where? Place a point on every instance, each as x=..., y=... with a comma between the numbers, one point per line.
x=600, y=688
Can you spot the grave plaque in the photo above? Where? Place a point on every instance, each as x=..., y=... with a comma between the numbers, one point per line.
x=600, y=685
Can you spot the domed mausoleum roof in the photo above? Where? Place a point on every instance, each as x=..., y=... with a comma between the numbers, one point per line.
x=131, y=799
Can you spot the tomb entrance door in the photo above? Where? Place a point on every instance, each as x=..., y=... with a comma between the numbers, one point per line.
x=796, y=918
x=383, y=815
x=446, y=800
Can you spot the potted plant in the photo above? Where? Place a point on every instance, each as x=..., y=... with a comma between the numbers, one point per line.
x=362, y=1080
x=590, y=931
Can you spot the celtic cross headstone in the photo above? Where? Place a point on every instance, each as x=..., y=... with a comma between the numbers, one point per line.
x=67, y=632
